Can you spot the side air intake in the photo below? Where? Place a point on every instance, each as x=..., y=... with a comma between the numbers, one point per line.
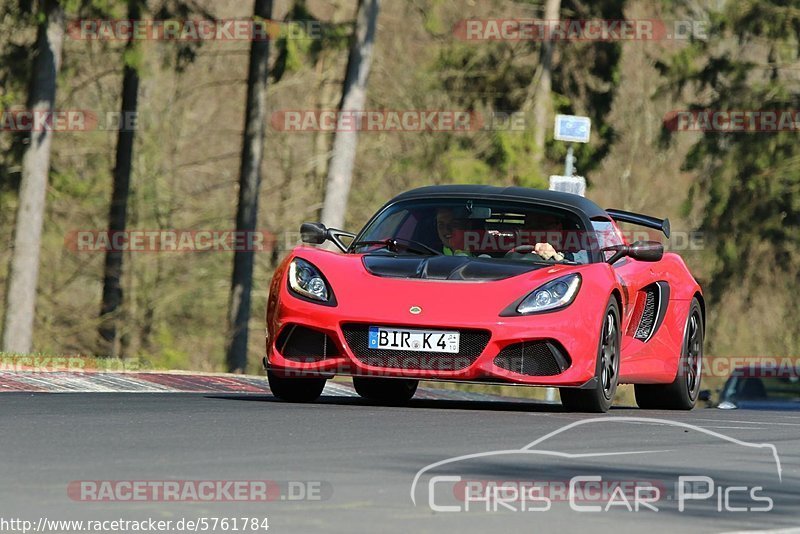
x=651, y=307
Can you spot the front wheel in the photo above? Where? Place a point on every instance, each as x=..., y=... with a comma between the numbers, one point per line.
x=386, y=390
x=299, y=389
x=682, y=393
x=601, y=396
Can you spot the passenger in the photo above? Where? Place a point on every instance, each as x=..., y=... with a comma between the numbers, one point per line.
x=450, y=229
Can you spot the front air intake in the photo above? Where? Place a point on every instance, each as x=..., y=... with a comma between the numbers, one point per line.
x=533, y=358
x=306, y=345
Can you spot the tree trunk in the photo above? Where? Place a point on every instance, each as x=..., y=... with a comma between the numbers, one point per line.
x=24, y=268
x=542, y=100
x=249, y=184
x=325, y=96
x=354, y=96
x=118, y=212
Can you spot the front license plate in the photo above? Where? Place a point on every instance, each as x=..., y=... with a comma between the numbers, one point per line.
x=414, y=340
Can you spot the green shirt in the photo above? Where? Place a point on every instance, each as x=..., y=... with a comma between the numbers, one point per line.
x=450, y=252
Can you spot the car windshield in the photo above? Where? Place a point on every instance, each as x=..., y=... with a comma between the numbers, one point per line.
x=488, y=229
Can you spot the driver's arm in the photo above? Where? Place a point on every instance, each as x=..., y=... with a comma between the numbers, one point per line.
x=546, y=251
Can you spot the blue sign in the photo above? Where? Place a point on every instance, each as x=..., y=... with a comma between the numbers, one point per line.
x=373, y=337
x=573, y=128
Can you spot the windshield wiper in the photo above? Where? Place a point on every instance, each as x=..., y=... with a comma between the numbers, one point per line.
x=394, y=242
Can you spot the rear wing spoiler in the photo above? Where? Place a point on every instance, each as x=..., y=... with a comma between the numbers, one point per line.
x=641, y=220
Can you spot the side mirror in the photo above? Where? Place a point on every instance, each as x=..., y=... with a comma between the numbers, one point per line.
x=313, y=233
x=640, y=250
x=317, y=234
x=646, y=251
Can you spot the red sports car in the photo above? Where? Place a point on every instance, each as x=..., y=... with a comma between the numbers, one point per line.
x=488, y=285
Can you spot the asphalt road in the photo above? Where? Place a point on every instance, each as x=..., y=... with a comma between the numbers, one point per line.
x=358, y=461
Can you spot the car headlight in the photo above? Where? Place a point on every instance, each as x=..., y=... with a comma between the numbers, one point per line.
x=555, y=294
x=307, y=281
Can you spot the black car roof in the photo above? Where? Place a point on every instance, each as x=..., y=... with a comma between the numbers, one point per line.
x=525, y=194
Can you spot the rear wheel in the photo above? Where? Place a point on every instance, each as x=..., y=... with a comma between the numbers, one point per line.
x=599, y=398
x=682, y=393
x=385, y=390
x=295, y=389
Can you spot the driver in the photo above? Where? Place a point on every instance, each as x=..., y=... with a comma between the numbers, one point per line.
x=451, y=230
x=548, y=224
x=546, y=227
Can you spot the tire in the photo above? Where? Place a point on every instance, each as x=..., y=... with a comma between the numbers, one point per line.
x=295, y=389
x=682, y=393
x=386, y=390
x=600, y=398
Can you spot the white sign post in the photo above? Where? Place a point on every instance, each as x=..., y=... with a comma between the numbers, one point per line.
x=572, y=129
x=568, y=184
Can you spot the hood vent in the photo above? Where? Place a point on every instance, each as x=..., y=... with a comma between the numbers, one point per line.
x=446, y=267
